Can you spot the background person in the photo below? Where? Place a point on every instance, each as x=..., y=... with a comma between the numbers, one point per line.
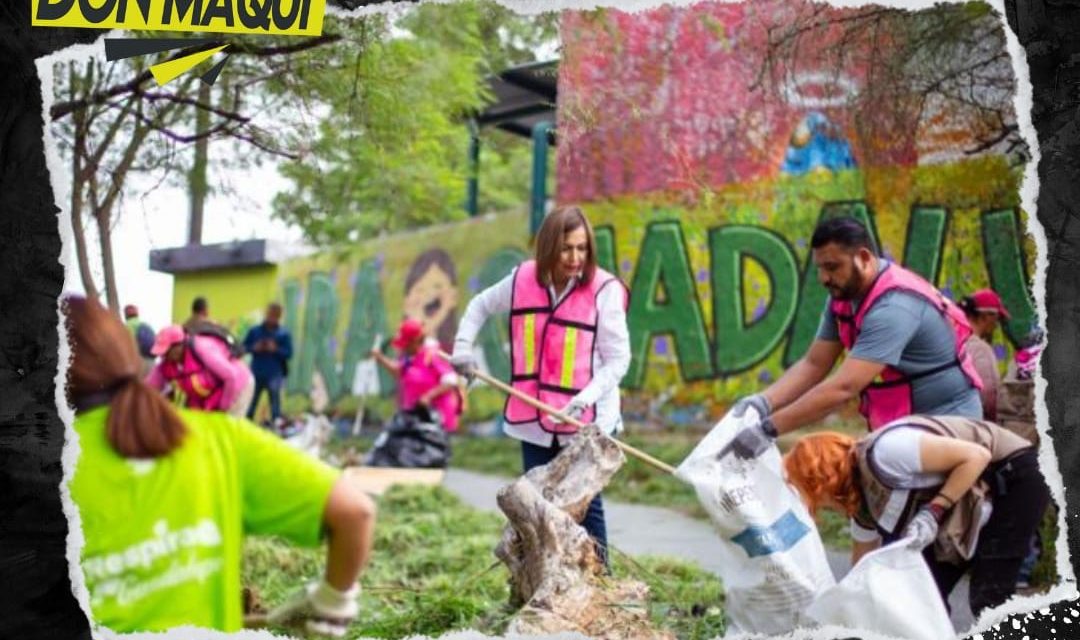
x=143, y=334
x=165, y=497
x=570, y=346
x=200, y=314
x=270, y=346
x=904, y=341
x=938, y=468
x=204, y=369
x=984, y=310
x=425, y=378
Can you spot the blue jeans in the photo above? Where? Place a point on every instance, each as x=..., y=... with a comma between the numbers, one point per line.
x=535, y=456
x=272, y=386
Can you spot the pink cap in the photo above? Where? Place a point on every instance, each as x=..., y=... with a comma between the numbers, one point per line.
x=988, y=300
x=410, y=330
x=166, y=338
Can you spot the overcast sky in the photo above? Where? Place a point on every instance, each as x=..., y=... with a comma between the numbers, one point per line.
x=159, y=220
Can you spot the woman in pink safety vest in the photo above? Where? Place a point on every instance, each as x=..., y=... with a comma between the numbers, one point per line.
x=203, y=369
x=569, y=343
x=425, y=378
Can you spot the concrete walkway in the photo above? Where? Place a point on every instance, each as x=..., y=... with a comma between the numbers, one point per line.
x=641, y=530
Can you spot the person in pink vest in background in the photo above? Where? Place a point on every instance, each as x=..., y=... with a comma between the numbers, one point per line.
x=425, y=378
x=569, y=344
x=984, y=311
x=903, y=339
x=203, y=369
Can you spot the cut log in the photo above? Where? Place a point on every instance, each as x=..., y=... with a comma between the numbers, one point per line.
x=556, y=576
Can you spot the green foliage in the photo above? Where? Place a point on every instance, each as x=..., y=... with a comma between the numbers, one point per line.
x=684, y=599
x=1045, y=573
x=388, y=147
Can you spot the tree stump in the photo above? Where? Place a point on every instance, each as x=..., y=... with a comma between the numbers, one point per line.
x=556, y=576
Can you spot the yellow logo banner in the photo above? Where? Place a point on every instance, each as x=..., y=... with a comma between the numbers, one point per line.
x=259, y=17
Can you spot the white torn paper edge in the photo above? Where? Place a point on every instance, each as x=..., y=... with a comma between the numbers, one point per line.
x=1065, y=590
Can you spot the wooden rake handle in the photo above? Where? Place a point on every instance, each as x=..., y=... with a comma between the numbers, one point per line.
x=552, y=411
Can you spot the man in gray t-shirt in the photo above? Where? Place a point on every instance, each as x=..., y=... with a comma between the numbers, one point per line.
x=906, y=332
x=902, y=331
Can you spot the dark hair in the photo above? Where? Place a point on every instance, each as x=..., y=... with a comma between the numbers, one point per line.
x=141, y=423
x=198, y=305
x=967, y=303
x=432, y=257
x=275, y=307
x=436, y=257
x=845, y=231
x=549, y=239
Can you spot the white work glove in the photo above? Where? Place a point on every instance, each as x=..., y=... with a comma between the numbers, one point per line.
x=573, y=409
x=464, y=364
x=751, y=441
x=923, y=528
x=757, y=402
x=318, y=608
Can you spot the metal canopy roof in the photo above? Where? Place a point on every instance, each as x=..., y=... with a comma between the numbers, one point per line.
x=225, y=255
x=524, y=96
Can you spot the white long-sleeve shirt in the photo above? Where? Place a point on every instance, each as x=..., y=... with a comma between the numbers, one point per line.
x=611, y=350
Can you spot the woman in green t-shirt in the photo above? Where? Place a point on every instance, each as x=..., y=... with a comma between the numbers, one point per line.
x=165, y=497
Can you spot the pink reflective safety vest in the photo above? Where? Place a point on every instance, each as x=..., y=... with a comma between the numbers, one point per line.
x=202, y=388
x=890, y=396
x=551, y=347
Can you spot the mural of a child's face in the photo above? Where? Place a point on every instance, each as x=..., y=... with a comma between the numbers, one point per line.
x=431, y=298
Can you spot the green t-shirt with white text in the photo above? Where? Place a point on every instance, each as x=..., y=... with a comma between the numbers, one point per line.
x=163, y=537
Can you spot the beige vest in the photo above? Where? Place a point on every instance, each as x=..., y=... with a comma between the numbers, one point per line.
x=1017, y=412
x=888, y=509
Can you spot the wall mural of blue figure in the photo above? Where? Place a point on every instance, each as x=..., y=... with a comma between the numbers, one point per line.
x=817, y=143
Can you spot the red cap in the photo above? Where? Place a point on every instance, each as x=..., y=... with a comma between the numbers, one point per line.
x=987, y=300
x=130, y=311
x=166, y=338
x=410, y=330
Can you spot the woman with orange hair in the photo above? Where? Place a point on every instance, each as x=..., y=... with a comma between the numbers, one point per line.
x=165, y=497
x=966, y=492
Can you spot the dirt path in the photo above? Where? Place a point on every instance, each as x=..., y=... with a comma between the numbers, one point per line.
x=642, y=530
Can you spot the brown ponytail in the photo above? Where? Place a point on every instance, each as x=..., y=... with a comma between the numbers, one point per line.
x=107, y=366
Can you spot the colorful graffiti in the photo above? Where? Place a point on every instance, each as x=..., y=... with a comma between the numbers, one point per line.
x=704, y=183
x=710, y=96
x=723, y=297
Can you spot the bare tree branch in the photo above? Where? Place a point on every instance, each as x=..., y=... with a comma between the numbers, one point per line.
x=241, y=48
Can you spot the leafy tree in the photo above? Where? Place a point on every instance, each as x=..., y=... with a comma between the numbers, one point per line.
x=389, y=150
x=111, y=121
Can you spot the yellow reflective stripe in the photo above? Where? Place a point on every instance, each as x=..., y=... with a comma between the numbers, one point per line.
x=569, y=357
x=530, y=343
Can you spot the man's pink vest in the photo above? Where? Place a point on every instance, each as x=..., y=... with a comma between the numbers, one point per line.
x=551, y=347
x=201, y=387
x=890, y=397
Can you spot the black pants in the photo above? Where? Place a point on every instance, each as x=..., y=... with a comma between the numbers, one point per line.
x=534, y=456
x=1019, y=500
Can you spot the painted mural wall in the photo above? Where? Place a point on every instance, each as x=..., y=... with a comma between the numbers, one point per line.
x=723, y=294
x=704, y=189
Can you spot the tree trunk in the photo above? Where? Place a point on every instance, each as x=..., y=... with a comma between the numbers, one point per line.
x=554, y=569
x=78, y=183
x=197, y=183
x=105, y=236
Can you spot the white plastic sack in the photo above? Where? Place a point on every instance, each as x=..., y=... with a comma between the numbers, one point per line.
x=773, y=562
x=889, y=591
x=312, y=436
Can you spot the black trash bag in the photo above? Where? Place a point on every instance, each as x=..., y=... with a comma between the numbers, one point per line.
x=414, y=439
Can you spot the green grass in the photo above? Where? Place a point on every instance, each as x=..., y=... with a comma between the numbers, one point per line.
x=433, y=570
